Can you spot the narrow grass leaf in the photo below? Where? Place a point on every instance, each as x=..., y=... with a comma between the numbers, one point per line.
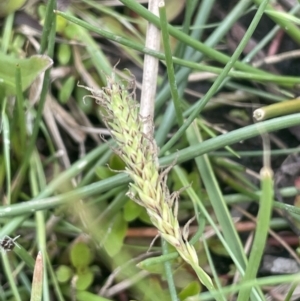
x=6, y=152
x=169, y=63
x=261, y=232
x=11, y=278
x=218, y=203
x=291, y=29
x=20, y=115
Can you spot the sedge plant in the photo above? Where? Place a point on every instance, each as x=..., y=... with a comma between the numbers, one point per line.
x=139, y=151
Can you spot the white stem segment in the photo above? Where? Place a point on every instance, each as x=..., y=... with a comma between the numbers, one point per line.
x=150, y=72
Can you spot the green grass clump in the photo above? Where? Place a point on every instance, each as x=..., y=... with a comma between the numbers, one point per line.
x=72, y=210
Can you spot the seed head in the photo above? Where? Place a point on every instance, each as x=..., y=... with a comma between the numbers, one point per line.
x=138, y=150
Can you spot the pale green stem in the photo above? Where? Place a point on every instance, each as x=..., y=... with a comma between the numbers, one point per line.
x=277, y=109
x=261, y=232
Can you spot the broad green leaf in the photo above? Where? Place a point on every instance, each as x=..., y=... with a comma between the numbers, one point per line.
x=116, y=163
x=63, y=273
x=30, y=69
x=114, y=239
x=64, y=54
x=192, y=289
x=84, y=279
x=9, y=6
x=66, y=90
x=131, y=211
x=103, y=172
x=81, y=255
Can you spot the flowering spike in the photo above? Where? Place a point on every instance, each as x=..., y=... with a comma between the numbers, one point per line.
x=140, y=154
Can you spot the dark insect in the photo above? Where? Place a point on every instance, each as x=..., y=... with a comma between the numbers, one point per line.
x=8, y=243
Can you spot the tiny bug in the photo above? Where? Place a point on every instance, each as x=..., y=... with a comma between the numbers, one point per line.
x=7, y=243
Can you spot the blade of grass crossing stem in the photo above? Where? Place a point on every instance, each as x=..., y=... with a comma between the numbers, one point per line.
x=289, y=27
x=169, y=63
x=261, y=232
x=230, y=138
x=268, y=37
x=218, y=203
x=104, y=185
x=214, y=38
x=257, y=153
x=205, y=49
x=216, y=197
x=20, y=110
x=288, y=81
x=10, y=277
x=6, y=152
x=127, y=22
x=211, y=133
x=37, y=280
x=265, y=95
x=219, y=81
x=178, y=34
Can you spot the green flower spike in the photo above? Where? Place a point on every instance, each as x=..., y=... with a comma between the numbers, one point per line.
x=139, y=151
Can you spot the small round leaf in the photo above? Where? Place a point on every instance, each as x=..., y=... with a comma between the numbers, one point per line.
x=63, y=274
x=81, y=255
